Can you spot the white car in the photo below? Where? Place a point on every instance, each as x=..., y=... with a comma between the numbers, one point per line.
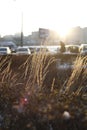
x=83, y=49
x=23, y=50
x=5, y=51
x=72, y=49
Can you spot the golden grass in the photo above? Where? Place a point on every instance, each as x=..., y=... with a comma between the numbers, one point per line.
x=39, y=68
x=78, y=78
x=35, y=70
x=30, y=79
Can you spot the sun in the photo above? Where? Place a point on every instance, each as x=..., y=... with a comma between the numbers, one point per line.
x=63, y=31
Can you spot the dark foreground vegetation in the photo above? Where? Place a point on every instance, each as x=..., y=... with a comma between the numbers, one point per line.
x=36, y=95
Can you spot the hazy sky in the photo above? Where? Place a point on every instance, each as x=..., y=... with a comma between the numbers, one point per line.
x=59, y=15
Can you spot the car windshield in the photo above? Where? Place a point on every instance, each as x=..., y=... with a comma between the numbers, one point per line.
x=3, y=49
x=22, y=49
x=85, y=47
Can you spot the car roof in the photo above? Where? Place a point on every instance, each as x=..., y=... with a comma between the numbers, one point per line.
x=83, y=44
x=23, y=47
x=4, y=47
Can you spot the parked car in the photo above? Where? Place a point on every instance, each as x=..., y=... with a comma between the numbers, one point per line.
x=23, y=50
x=83, y=49
x=72, y=49
x=11, y=45
x=5, y=51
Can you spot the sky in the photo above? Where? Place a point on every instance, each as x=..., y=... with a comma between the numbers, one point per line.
x=58, y=15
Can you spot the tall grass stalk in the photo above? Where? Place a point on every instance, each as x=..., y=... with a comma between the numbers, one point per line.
x=8, y=80
x=39, y=69
x=78, y=77
x=52, y=86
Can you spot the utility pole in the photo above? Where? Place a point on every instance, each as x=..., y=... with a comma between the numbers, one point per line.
x=21, y=28
x=21, y=34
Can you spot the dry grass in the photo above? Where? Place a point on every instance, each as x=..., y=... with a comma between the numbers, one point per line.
x=77, y=81
x=36, y=70
x=45, y=102
x=10, y=85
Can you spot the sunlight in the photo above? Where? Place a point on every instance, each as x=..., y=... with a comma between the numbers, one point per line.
x=57, y=15
x=62, y=31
